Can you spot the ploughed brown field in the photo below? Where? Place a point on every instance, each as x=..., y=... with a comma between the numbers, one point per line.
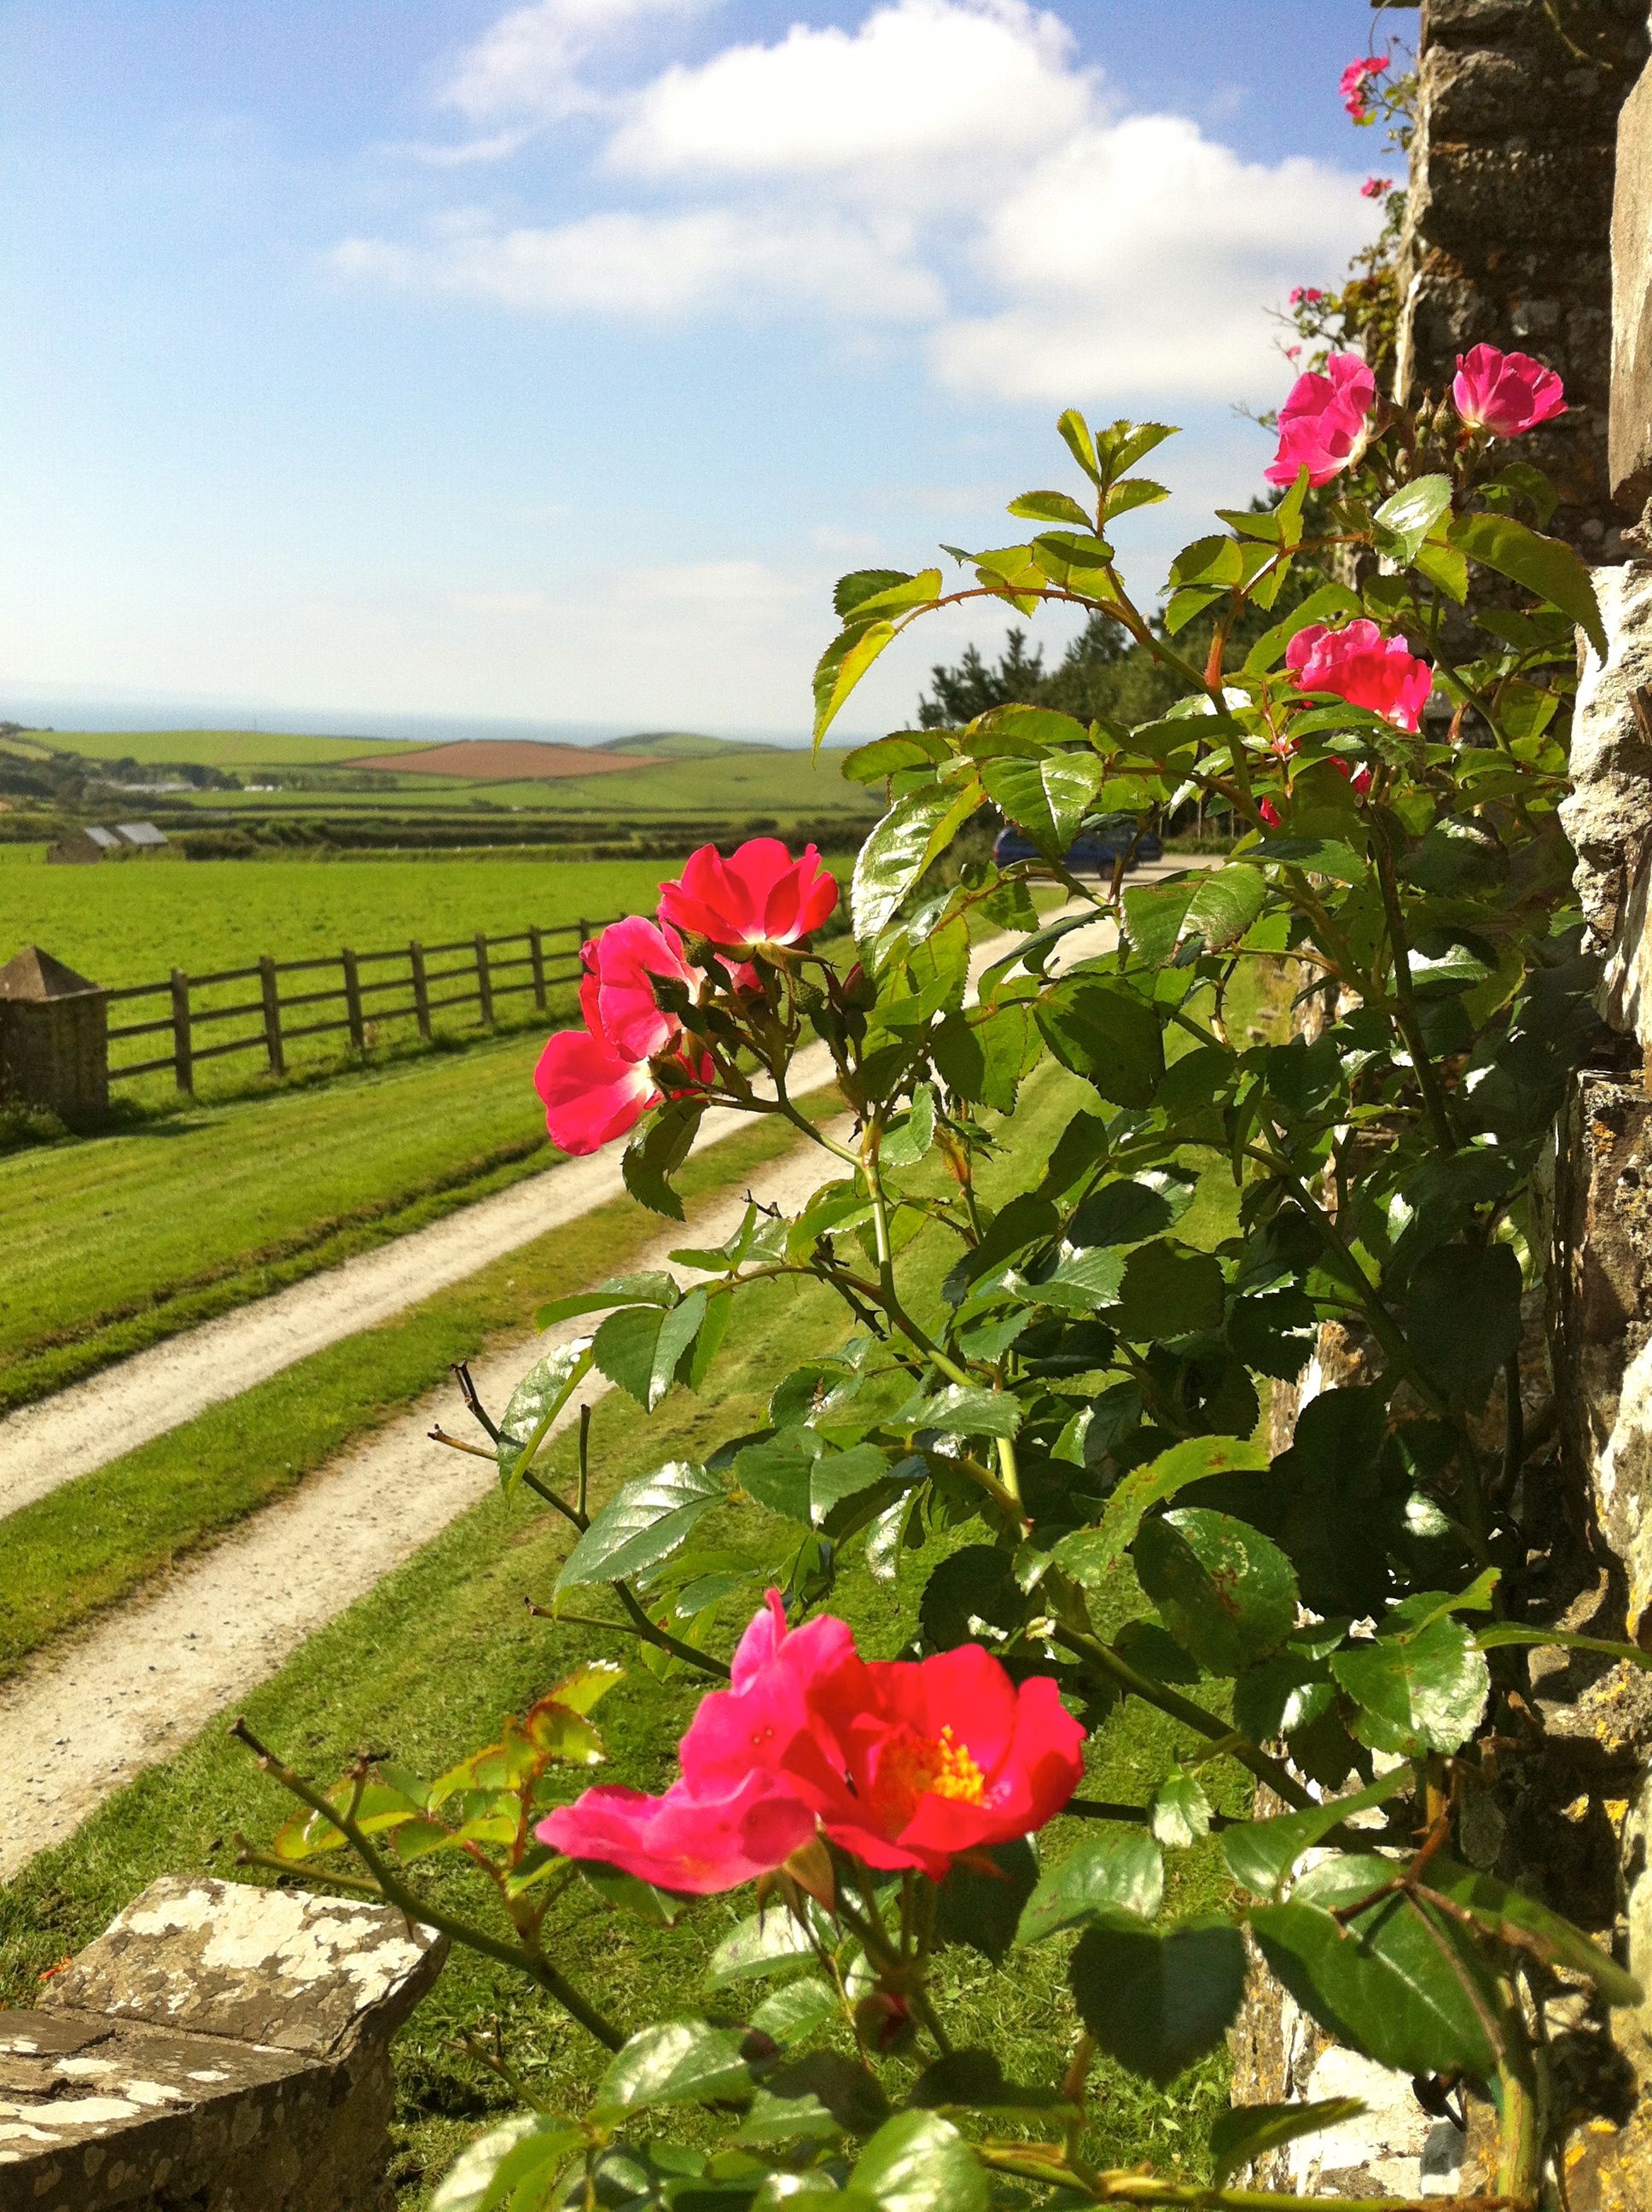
x=507, y=760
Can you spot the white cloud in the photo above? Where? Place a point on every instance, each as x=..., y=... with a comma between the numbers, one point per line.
x=529, y=63
x=1142, y=257
x=1048, y=248
x=639, y=266
x=920, y=81
x=465, y=153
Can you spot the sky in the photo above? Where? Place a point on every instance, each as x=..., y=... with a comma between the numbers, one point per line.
x=369, y=359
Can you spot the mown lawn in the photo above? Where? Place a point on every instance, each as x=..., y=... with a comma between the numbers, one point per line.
x=109, y=1243
x=133, y=921
x=427, y=1666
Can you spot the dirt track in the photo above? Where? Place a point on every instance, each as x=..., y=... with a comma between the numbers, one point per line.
x=92, y=1710
x=91, y=1713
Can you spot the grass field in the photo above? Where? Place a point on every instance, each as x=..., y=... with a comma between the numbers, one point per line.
x=109, y=1243
x=231, y=748
x=133, y=921
x=427, y=1666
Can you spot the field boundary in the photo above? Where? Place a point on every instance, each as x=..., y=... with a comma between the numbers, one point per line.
x=478, y=977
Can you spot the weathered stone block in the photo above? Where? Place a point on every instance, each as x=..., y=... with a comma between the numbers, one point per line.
x=1630, y=441
x=1606, y=815
x=219, y=2047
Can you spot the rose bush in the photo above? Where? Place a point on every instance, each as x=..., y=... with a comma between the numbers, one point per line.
x=1064, y=1449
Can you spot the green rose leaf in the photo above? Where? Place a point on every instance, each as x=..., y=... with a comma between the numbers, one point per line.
x=1261, y=1853
x=1225, y=1592
x=919, y=2162
x=1462, y=1316
x=535, y=1403
x=1106, y=1033
x=1045, y=798
x=1410, y=1993
x=1224, y=907
x=902, y=845
x=1521, y=1922
x=654, y=1156
x=1404, y=521
x=1170, y=1290
x=1157, y=2003
x=1417, y=1690
x=516, y=2164
x=644, y=1522
x=680, y=2062
x=1248, y=2132
x=1102, y=1875
x=1050, y=506
x=1545, y=566
x=980, y=1903
x=1089, y=1555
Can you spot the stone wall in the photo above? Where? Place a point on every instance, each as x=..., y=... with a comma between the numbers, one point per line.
x=1509, y=224
x=219, y=2048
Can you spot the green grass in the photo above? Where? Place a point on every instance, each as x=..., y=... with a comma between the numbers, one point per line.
x=109, y=1243
x=95, y=1538
x=425, y=1667
x=231, y=748
x=135, y=920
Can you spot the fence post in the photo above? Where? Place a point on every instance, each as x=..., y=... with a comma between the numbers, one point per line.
x=584, y=928
x=353, y=1000
x=537, y=954
x=271, y=990
x=421, y=989
x=183, y=1054
x=484, y=981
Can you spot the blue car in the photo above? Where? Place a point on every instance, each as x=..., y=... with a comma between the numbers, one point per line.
x=1094, y=852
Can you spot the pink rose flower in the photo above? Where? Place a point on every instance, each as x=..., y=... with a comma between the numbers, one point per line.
x=1374, y=187
x=598, y=1083
x=902, y=1765
x=1355, y=82
x=1358, y=663
x=1506, y=393
x=760, y=896
x=616, y=996
x=1322, y=421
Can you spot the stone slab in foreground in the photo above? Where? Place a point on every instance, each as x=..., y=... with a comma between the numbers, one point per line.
x=218, y=2046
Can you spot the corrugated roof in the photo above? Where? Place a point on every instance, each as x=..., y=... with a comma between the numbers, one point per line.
x=105, y=839
x=139, y=832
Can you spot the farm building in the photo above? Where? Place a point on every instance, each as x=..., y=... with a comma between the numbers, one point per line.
x=91, y=841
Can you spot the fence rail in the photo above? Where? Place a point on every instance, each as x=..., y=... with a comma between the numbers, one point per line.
x=489, y=971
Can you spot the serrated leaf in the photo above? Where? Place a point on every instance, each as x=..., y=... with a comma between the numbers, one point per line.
x=1406, y=1991
x=899, y=850
x=1045, y=798
x=535, y=1403
x=1403, y=522
x=1050, y=506
x=1179, y=1813
x=906, y=1141
x=962, y=1409
x=919, y=2162
x=644, y=1522
x=514, y=2167
x=1157, y=2003
x=1416, y=1691
x=842, y=666
x=654, y=1155
x=1247, y=2132
x=1524, y=1923
x=1545, y=566
x=762, y=1944
x=1075, y=436
x=1090, y=1555
x=1226, y=1592
x=1261, y=1853
x=1103, y=1874
x=1224, y=907
x=679, y=2061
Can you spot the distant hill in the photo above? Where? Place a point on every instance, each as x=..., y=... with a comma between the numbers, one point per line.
x=682, y=744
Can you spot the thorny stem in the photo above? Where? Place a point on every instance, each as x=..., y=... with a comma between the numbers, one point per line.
x=1406, y=1012
x=416, y=1908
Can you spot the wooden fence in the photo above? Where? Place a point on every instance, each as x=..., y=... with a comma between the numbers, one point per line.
x=406, y=983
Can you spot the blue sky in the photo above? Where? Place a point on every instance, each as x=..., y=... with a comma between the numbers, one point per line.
x=381, y=358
